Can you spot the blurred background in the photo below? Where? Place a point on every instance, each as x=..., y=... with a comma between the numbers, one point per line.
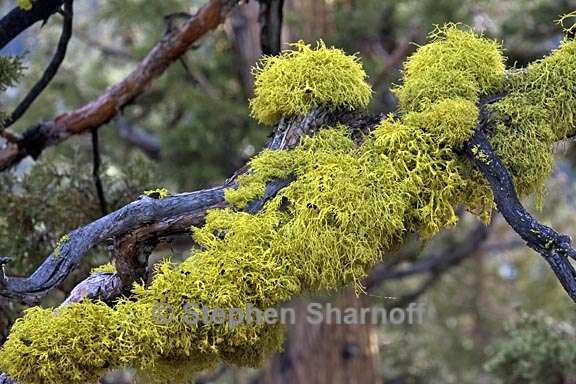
x=495, y=311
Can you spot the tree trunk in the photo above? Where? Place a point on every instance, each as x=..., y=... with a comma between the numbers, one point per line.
x=326, y=353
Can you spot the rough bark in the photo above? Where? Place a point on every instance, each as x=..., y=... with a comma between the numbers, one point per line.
x=326, y=353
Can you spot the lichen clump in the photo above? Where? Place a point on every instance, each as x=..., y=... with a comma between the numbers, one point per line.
x=58, y=248
x=158, y=193
x=25, y=4
x=455, y=64
x=306, y=77
x=349, y=205
x=539, y=110
x=104, y=268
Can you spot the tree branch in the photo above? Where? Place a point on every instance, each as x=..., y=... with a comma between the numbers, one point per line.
x=18, y=20
x=555, y=248
x=171, y=215
x=148, y=220
x=52, y=68
x=103, y=286
x=4, y=379
x=107, y=106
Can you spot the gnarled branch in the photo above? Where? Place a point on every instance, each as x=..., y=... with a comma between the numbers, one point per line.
x=555, y=248
x=149, y=220
x=173, y=214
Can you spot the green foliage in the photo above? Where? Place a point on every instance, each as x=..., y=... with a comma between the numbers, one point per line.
x=39, y=202
x=296, y=81
x=535, y=351
x=10, y=69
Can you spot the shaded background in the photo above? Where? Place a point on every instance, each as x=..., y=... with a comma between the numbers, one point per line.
x=493, y=308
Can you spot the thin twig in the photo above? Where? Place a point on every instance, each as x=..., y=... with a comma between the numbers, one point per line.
x=52, y=68
x=96, y=160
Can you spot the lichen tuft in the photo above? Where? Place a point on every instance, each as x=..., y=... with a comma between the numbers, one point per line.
x=455, y=64
x=300, y=79
x=106, y=268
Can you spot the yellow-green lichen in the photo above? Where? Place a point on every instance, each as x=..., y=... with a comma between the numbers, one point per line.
x=300, y=79
x=107, y=268
x=25, y=4
x=479, y=154
x=450, y=121
x=567, y=22
x=348, y=206
x=59, y=244
x=158, y=193
x=456, y=64
x=538, y=111
x=58, y=347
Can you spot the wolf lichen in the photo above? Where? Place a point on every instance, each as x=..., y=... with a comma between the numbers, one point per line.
x=25, y=4
x=306, y=77
x=58, y=248
x=455, y=64
x=349, y=205
x=73, y=346
x=450, y=121
x=106, y=268
x=539, y=110
x=158, y=193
